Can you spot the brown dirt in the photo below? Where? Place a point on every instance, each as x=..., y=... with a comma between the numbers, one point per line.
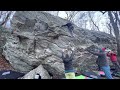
x=4, y=65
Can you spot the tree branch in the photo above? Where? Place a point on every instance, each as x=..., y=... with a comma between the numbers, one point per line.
x=103, y=12
x=6, y=18
x=93, y=21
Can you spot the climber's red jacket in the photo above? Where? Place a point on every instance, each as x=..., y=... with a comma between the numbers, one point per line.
x=113, y=56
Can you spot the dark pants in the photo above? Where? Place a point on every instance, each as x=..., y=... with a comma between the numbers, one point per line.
x=117, y=66
x=99, y=69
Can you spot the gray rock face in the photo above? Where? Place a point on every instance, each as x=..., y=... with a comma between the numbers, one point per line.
x=38, y=39
x=3, y=33
x=54, y=66
x=98, y=37
x=39, y=70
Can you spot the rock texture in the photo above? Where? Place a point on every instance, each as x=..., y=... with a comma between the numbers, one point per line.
x=38, y=39
x=2, y=38
x=39, y=70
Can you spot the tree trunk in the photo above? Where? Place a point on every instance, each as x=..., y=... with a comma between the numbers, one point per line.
x=118, y=45
x=110, y=28
x=116, y=31
x=6, y=18
x=57, y=13
x=110, y=32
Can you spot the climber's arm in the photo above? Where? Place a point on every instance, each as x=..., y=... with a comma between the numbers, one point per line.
x=95, y=53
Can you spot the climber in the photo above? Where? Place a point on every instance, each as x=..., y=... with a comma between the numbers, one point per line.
x=67, y=57
x=102, y=62
x=70, y=27
x=99, y=68
x=113, y=58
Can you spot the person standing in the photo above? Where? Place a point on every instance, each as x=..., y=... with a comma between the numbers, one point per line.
x=102, y=62
x=67, y=57
x=113, y=58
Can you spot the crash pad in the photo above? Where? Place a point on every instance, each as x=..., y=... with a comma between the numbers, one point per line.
x=80, y=77
x=101, y=73
x=113, y=70
x=9, y=74
x=91, y=75
x=117, y=74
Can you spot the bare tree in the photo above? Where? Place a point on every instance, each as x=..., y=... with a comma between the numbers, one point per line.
x=89, y=14
x=5, y=15
x=109, y=26
x=57, y=13
x=103, y=12
x=1, y=13
x=71, y=15
x=6, y=18
x=115, y=21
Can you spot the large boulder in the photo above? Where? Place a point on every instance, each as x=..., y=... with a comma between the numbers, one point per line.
x=38, y=39
x=54, y=66
x=3, y=33
x=39, y=70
